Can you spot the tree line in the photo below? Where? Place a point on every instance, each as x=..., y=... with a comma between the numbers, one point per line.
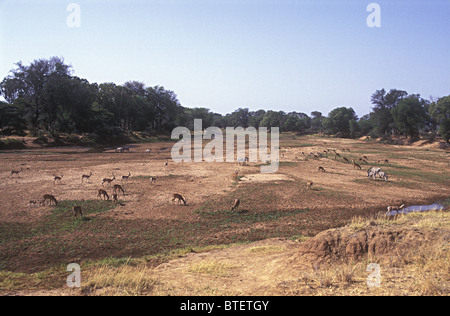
x=46, y=98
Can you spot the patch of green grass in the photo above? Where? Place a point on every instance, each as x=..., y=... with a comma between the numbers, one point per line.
x=226, y=217
x=61, y=217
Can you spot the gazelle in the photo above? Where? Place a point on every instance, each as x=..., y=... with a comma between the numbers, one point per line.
x=126, y=177
x=50, y=198
x=102, y=194
x=77, y=211
x=321, y=169
x=395, y=208
x=236, y=204
x=108, y=180
x=179, y=198
x=346, y=160
x=118, y=187
x=13, y=172
x=355, y=165
x=85, y=176
x=57, y=178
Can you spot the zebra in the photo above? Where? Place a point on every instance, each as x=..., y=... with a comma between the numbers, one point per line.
x=383, y=175
x=373, y=172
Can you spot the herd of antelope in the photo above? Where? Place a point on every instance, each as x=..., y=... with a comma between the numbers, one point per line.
x=117, y=189
x=372, y=173
x=102, y=193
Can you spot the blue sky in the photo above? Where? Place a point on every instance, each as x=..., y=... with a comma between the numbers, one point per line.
x=288, y=55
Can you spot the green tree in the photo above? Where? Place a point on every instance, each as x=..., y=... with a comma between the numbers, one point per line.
x=339, y=121
x=382, y=111
x=316, y=121
x=409, y=115
x=30, y=86
x=440, y=111
x=11, y=119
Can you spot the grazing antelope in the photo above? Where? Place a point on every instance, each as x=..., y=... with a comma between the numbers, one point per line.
x=85, y=176
x=179, y=198
x=309, y=185
x=153, y=179
x=345, y=159
x=57, y=178
x=386, y=161
x=50, y=198
x=365, y=157
x=337, y=154
x=109, y=180
x=321, y=169
x=126, y=177
x=395, y=208
x=77, y=211
x=13, y=172
x=118, y=188
x=102, y=193
x=355, y=165
x=236, y=204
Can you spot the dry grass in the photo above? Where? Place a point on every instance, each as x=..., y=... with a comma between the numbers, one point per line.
x=421, y=220
x=265, y=249
x=212, y=268
x=124, y=281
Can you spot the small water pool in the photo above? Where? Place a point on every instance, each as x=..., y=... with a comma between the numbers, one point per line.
x=419, y=208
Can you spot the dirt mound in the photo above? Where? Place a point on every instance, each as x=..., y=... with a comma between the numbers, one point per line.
x=347, y=244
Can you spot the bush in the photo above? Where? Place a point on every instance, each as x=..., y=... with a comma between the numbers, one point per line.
x=11, y=143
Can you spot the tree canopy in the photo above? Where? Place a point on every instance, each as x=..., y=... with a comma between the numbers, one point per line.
x=45, y=97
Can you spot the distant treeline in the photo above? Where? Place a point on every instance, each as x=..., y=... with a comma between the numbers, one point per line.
x=44, y=98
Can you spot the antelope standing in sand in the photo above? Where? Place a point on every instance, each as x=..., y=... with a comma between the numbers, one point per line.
x=102, y=194
x=50, y=198
x=109, y=180
x=77, y=211
x=15, y=172
x=236, y=204
x=126, y=177
x=85, y=176
x=118, y=188
x=115, y=198
x=355, y=165
x=179, y=198
x=57, y=178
